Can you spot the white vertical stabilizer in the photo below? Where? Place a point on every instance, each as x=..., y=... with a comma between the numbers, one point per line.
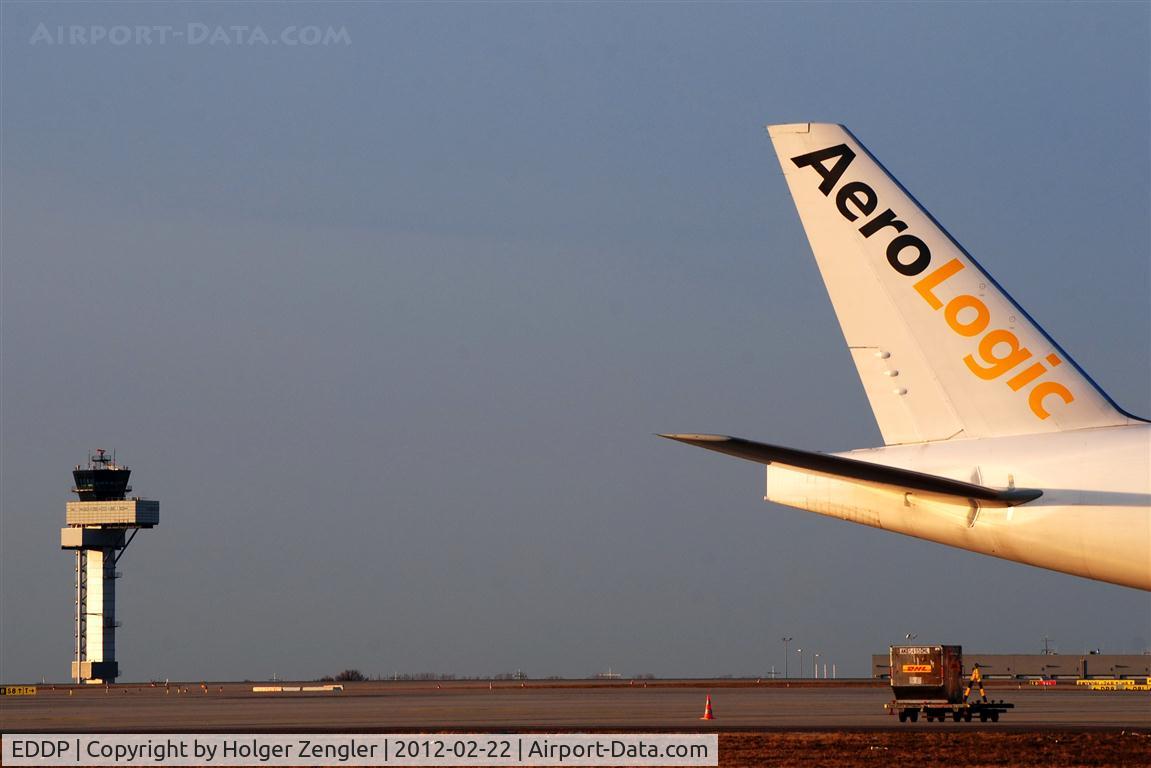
x=941, y=349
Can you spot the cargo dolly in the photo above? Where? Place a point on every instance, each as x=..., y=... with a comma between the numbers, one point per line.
x=928, y=680
x=941, y=710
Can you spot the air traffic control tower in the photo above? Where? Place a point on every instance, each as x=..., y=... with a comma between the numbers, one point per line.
x=100, y=527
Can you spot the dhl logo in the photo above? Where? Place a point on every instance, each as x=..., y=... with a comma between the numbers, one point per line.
x=997, y=351
x=916, y=667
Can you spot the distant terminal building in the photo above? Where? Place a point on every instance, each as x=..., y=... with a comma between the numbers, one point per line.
x=100, y=526
x=1043, y=665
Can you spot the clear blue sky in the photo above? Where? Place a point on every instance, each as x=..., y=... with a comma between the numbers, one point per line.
x=388, y=324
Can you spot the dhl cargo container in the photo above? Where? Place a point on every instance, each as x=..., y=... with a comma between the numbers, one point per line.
x=930, y=679
x=927, y=673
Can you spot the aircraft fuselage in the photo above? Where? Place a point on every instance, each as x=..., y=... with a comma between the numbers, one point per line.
x=1096, y=483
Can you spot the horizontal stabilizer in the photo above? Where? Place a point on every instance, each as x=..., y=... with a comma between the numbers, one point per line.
x=839, y=466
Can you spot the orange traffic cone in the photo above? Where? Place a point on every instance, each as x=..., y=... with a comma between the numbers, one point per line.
x=707, y=715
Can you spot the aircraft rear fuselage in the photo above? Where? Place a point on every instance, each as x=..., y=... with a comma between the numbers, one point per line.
x=1093, y=519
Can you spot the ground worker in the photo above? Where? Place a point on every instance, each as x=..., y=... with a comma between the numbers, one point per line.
x=976, y=680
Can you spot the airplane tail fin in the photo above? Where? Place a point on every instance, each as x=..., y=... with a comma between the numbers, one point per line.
x=942, y=350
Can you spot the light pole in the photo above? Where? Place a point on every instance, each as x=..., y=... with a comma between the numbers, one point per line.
x=815, y=666
x=785, y=641
x=800, y=652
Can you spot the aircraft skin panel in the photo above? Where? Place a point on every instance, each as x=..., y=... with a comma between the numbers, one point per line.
x=942, y=351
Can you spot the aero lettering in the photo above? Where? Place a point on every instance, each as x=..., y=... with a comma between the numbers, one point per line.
x=997, y=351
